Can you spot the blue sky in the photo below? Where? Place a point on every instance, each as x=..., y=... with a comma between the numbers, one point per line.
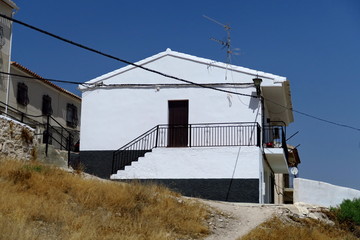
x=314, y=43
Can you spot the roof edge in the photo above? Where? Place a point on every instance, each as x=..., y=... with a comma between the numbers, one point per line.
x=28, y=71
x=11, y=4
x=169, y=52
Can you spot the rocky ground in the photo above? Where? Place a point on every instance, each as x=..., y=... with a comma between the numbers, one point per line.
x=230, y=221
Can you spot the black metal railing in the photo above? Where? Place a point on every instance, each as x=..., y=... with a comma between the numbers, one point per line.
x=192, y=135
x=56, y=132
x=53, y=132
x=275, y=137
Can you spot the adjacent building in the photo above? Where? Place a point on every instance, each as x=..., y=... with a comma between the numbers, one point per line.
x=25, y=96
x=31, y=99
x=8, y=8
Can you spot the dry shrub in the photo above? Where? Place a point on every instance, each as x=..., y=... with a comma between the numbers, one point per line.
x=297, y=228
x=47, y=203
x=26, y=135
x=33, y=154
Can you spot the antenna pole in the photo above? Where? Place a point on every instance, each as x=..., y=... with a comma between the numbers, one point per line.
x=226, y=44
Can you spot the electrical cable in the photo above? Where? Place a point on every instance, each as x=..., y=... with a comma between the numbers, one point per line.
x=312, y=116
x=116, y=58
x=170, y=76
x=43, y=79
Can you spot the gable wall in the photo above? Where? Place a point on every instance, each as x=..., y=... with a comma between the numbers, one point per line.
x=191, y=70
x=112, y=117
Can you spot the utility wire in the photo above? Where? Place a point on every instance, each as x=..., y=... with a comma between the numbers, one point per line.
x=116, y=58
x=312, y=116
x=170, y=76
x=44, y=79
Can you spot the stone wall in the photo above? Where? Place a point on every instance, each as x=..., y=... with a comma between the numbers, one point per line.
x=17, y=140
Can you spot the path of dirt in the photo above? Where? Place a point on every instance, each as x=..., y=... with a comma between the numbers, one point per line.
x=234, y=220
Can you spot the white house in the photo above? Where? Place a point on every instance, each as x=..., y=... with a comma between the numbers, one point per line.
x=224, y=145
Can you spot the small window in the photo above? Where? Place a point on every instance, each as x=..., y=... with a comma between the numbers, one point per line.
x=22, y=94
x=46, y=105
x=71, y=115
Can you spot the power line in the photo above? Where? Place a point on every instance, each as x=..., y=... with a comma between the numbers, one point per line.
x=170, y=76
x=44, y=79
x=313, y=117
x=116, y=58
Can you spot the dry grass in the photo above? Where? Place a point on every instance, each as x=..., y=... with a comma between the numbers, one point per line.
x=296, y=228
x=40, y=202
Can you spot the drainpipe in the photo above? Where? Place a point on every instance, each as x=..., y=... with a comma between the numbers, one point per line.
x=262, y=121
x=257, y=82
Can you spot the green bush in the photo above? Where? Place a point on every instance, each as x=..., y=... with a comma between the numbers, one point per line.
x=348, y=211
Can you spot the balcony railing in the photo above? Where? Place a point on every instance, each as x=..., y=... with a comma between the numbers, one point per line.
x=275, y=137
x=192, y=135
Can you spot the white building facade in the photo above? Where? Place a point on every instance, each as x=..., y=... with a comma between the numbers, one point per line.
x=223, y=145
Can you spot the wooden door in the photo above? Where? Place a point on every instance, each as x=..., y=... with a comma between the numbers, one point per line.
x=178, y=123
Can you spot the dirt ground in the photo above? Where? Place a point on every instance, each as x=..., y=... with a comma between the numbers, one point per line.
x=230, y=221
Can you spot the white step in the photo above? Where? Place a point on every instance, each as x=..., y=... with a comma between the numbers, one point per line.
x=170, y=163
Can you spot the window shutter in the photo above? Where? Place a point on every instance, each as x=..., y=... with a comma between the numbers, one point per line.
x=22, y=94
x=71, y=115
x=46, y=105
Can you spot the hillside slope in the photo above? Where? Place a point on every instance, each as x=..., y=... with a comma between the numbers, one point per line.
x=41, y=202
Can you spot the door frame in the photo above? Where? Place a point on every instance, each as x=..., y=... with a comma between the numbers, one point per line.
x=178, y=123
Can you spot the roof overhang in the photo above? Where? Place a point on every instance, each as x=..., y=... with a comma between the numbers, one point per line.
x=276, y=159
x=280, y=106
x=271, y=79
x=11, y=4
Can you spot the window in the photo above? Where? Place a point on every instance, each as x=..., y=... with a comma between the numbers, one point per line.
x=22, y=94
x=46, y=105
x=71, y=115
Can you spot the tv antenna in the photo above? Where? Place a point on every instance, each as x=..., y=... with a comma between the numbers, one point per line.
x=227, y=43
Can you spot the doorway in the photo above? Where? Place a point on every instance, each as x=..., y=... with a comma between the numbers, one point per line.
x=178, y=123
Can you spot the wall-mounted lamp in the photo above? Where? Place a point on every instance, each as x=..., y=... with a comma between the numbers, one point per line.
x=257, y=82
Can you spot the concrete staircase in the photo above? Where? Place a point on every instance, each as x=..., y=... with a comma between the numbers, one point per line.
x=209, y=162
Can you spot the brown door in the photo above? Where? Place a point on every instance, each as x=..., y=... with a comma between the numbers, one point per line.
x=178, y=123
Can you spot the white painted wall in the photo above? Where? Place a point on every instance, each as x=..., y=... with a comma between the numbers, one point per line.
x=266, y=182
x=195, y=163
x=321, y=193
x=187, y=67
x=113, y=117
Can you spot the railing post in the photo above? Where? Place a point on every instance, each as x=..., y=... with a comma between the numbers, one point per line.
x=284, y=145
x=157, y=136
x=47, y=135
x=61, y=139
x=259, y=135
x=22, y=117
x=189, y=135
x=69, y=144
x=113, y=163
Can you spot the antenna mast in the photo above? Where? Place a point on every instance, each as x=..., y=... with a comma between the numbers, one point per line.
x=226, y=44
